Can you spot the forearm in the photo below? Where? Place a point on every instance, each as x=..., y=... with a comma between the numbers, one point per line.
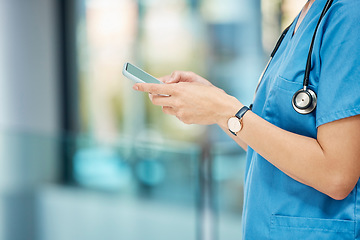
x=300, y=157
x=286, y=150
x=239, y=141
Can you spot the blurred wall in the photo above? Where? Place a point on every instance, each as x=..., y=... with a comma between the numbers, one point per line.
x=29, y=117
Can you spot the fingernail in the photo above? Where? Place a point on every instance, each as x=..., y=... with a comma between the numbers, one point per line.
x=135, y=87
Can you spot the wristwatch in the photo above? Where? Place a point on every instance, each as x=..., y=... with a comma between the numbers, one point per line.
x=235, y=123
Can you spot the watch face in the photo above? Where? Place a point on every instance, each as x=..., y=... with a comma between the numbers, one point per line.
x=234, y=124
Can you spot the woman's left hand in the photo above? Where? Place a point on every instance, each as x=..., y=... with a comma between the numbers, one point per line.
x=191, y=102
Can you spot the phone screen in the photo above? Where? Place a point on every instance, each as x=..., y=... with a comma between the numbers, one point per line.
x=141, y=74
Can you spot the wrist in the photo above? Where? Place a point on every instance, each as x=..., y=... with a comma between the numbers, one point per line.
x=231, y=107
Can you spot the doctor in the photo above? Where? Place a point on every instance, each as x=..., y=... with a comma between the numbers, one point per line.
x=303, y=147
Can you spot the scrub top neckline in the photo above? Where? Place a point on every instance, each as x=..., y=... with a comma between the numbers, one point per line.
x=305, y=20
x=289, y=43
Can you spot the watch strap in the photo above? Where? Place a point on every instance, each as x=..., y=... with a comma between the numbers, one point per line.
x=232, y=132
x=241, y=112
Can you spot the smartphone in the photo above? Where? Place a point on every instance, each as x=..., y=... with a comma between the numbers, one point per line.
x=136, y=74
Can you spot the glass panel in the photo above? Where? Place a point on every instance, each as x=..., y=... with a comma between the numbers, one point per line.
x=128, y=191
x=154, y=185
x=228, y=175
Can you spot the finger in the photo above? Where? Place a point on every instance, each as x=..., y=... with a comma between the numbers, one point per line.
x=168, y=110
x=162, y=100
x=154, y=88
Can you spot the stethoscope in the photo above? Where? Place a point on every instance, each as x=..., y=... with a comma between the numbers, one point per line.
x=304, y=100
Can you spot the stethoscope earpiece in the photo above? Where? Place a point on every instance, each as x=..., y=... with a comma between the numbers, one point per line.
x=304, y=101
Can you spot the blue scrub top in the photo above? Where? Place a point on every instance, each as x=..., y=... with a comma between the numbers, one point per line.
x=275, y=205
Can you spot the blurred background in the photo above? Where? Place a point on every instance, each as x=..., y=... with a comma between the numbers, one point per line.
x=83, y=156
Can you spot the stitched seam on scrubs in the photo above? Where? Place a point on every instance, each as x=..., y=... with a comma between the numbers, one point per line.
x=355, y=210
x=318, y=224
x=289, y=84
x=315, y=229
x=337, y=116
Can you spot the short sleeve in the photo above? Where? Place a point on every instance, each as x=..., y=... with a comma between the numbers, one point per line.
x=339, y=79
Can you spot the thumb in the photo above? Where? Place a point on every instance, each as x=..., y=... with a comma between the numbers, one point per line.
x=165, y=79
x=175, y=77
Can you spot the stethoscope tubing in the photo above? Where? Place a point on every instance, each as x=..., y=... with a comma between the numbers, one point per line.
x=308, y=64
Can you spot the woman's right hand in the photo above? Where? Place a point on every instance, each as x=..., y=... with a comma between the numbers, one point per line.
x=182, y=76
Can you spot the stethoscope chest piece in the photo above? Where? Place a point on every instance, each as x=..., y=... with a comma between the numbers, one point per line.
x=304, y=101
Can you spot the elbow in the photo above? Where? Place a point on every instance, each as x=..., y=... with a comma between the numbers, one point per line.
x=340, y=187
x=339, y=195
